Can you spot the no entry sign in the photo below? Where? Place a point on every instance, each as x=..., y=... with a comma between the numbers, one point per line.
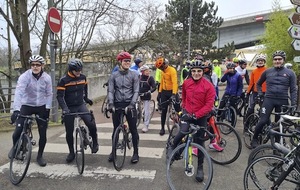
x=54, y=20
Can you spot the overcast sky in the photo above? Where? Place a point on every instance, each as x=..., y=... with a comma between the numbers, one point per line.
x=232, y=8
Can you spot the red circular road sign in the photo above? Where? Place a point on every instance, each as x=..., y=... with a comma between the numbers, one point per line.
x=54, y=20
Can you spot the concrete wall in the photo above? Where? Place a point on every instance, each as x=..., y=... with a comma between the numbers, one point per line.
x=95, y=86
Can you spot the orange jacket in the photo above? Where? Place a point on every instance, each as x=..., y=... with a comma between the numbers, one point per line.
x=168, y=80
x=255, y=75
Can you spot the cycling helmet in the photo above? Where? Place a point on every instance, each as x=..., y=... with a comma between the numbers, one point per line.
x=75, y=64
x=261, y=57
x=242, y=61
x=137, y=61
x=123, y=55
x=36, y=58
x=215, y=61
x=196, y=64
x=235, y=60
x=207, y=65
x=230, y=65
x=288, y=65
x=279, y=53
x=188, y=63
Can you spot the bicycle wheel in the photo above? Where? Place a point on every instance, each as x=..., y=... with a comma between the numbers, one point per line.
x=249, y=128
x=79, y=151
x=263, y=171
x=152, y=108
x=175, y=129
x=20, y=159
x=231, y=116
x=139, y=113
x=119, y=148
x=178, y=176
x=230, y=142
x=169, y=121
x=261, y=150
x=104, y=105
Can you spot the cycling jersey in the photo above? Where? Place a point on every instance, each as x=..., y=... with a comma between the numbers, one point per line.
x=255, y=75
x=31, y=91
x=184, y=74
x=169, y=80
x=234, y=86
x=217, y=69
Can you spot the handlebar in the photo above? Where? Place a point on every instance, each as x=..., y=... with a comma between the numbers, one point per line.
x=36, y=117
x=290, y=109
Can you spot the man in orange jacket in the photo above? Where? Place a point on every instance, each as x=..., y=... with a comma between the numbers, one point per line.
x=255, y=75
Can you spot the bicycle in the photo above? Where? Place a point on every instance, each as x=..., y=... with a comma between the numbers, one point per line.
x=21, y=153
x=105, y=101
x=242, y=105
x=228, y=112
x=141, y=109
x=266, y=149
x=181, y=163
x=263, y=136
x=122, y=138
x=172, y=116
x=275, y=172
x=83, y=140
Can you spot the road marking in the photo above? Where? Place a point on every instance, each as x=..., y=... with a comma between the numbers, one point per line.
x=110, y=125
x=143, y=136
x=64, y=171
x=145, y=152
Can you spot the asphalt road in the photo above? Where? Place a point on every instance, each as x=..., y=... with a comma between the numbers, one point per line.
x=149, y=173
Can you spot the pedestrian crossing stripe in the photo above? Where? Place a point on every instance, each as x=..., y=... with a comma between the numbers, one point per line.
x=64, y=171
x=145, y=152
x=110, y=125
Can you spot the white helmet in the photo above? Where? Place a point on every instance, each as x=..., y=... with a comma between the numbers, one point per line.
x=36, y=58
x=261, y=63
x=288, y=65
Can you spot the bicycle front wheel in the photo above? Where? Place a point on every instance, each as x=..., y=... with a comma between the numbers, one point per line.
x=261, y=150
x=180, y=175
x=119, y=148
x=20, y=159
x=139, y=113
x=249, y=128
x=104, y=105
x=231, y=144
x=79, y=151
x=265, y=170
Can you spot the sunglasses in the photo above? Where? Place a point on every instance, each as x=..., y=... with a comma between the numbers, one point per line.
x=126, y=60
x=277, y=59
x=36, y=65
x=198, y=71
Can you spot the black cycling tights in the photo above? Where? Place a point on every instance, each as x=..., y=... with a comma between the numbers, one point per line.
x=131, y=118
x=42, y=126
x=164, y=97
x=266, y=109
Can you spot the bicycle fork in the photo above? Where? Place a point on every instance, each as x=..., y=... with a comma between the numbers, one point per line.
x=188, y=159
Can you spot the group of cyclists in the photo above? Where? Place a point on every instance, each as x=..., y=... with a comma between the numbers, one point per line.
x=200, y=95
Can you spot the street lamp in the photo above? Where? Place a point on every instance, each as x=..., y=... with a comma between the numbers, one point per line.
x=190, y=28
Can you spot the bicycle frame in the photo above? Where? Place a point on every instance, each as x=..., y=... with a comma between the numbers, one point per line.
x=187, y=156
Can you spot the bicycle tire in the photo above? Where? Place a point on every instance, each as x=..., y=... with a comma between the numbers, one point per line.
x=175, y=129
x=259, y=173
x=249, y=128
x=119, y=146
x=168, y=118
x=233, y=116
x=104, y=105
x=79, y=151
x=261, y=150
x=231, y=144
x=139, y=114
x=176, y=170
x=20, y=159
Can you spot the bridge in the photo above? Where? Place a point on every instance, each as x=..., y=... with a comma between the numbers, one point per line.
x=244, y=30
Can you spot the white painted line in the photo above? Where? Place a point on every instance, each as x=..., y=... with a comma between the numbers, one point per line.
x=54, y=20
x=110, y=125
x=64, y=171
x=145, y=152
x=143, y=136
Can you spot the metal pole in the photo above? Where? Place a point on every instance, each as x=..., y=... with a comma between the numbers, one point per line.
x=190, y=28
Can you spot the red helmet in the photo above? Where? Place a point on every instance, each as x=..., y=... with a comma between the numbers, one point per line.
x=123, y=55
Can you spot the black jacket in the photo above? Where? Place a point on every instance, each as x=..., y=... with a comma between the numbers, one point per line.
x=147, y=83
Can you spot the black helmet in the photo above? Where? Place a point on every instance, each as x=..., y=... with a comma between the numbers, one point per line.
x=230, y=65
x=279, y=53
x=196, y=64
x=75, y=64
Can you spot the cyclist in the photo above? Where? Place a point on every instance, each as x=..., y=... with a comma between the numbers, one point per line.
x=33, y=95
x=168, y=89
x=280, y=83
x=235, y=60
x=157, y=82
x=123, y=92
x=185, y=72
x=218, y=71
x=234, y=86
x=198, y=95
x=255, y=75
x=147, y=86
x=72, y=94
x=241, y=69
x=288, y=66
x=137, y=65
